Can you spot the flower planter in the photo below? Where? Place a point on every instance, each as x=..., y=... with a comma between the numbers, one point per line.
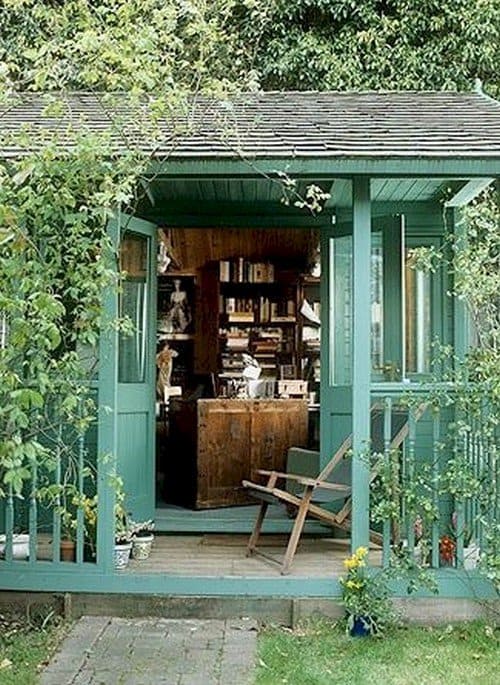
x=20, y=546
x=471, y=557
x=122, y=555
x=67, y=550
x=141, y=547
x=360, y=627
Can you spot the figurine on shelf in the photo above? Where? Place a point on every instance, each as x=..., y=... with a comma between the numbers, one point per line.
x=166, y=254
x=178, y=317
x=164, y=362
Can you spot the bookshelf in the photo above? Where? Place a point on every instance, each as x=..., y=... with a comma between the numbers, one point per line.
x=256, y=314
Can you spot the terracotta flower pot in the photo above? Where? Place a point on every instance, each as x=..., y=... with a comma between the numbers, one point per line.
x=67, y=550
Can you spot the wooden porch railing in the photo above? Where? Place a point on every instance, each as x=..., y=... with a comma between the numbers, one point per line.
x=438, y=479
x=31, y=526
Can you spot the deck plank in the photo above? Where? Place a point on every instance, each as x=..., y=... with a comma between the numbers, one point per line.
x=198, y=555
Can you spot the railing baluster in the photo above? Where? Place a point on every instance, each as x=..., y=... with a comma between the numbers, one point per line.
x=412, y=438
x=33, y=513
x=9, y=524
x=80, y=513
x=436, y=420
x=386, y=539
x=56, y=514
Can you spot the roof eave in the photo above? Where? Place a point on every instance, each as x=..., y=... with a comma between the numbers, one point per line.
x=323, y=166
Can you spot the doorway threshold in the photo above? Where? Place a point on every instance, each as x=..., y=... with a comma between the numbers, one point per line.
x=173, y=519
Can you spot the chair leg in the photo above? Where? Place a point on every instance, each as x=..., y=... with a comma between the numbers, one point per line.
x=296, y=531
x=254, y=537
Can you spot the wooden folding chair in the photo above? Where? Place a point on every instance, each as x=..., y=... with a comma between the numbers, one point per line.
x=305, y=504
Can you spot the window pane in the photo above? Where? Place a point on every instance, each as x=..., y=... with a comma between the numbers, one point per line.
x=418, y=318
x=133, y=305
x=377, y=295
x=341, y=311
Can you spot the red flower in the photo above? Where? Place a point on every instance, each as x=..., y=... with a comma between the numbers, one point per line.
x=447, y=548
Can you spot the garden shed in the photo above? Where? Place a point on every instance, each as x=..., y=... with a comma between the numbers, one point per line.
x=288, y=224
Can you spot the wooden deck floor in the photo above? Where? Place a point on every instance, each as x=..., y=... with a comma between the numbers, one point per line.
x=224, y=555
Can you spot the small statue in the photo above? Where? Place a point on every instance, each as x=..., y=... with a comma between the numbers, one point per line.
x=164, y=362
x=166, y=255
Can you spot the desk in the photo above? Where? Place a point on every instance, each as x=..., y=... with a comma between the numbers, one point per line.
x=215, y=444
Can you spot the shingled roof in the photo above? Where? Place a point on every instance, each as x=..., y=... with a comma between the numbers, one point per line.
x=437, y=125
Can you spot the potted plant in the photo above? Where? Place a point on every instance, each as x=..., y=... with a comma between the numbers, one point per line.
x=365, y=597
x=123, y=541
x=142, y=539
x=123, y=531
x=67, y=544
x=62, y=498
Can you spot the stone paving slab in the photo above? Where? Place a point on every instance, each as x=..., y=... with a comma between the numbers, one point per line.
x=155, y=651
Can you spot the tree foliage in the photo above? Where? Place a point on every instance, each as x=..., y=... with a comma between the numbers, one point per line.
x=376, y=44
x=179, y=46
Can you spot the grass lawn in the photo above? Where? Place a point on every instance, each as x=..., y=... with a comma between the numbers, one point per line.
x=320, y=653
x=25, y=644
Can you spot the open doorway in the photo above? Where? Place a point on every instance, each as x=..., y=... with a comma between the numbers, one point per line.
x=238, y=357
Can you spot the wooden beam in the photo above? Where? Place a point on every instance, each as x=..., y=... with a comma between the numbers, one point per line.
x=148, y=189
x=468, y=192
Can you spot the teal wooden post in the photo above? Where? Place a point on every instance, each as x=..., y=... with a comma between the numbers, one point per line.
x=107, y=427
x=361, y=361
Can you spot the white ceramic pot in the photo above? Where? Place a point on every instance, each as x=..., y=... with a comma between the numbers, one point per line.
x=471, y=556
x=20, y=546
x=122, y=555
x=141, y=547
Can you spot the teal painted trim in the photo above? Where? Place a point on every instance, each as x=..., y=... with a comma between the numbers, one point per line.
x=320, y=168
x=452, y=583
x=107, y=440
x=169, y=522
x=361, y=361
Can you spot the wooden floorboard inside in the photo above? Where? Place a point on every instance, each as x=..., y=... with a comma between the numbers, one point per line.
x=221, y=555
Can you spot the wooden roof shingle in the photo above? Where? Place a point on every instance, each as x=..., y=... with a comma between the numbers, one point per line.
x=377, y=125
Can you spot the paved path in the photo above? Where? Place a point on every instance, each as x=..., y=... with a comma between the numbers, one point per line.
x=155, y=651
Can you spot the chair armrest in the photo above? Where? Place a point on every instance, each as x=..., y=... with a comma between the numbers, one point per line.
x=285, y=476
x=305, y=480
x=323, y=485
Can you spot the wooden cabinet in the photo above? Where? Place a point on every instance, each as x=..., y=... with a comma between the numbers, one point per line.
x=220, y=442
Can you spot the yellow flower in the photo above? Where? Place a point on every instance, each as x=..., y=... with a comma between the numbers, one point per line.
x=351, y=563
